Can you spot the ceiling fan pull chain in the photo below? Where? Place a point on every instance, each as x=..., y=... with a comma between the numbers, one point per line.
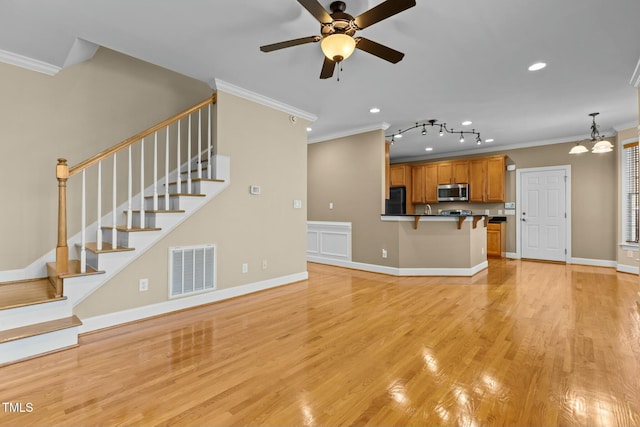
x=339, y=69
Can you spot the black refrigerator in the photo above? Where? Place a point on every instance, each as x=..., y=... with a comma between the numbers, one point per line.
x=397, y=203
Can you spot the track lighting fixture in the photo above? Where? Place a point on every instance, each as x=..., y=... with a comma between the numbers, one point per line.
x=443, y=129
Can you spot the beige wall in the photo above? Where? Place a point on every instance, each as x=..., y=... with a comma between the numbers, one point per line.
x=442, y=245
x=75, y=114
x=266, y=149
x=349, y=172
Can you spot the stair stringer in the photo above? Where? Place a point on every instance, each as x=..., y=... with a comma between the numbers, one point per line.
x=76, y=289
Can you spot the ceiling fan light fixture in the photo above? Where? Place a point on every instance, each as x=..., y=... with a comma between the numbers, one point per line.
x=338, y=47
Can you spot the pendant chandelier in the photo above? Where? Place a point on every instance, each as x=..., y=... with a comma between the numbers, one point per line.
x=600, y=145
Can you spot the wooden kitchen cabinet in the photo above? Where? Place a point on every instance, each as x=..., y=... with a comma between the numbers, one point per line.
x=418, y=184
x=477, y=180
x=399, y=175
x=495, y=178
x=424, y=179
x=486, y=179
x=456, y=172
x=496, y=239
x=431, y=183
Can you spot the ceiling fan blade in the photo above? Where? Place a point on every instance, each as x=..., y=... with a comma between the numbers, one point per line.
x=327, y=68
x=316, y=9
x=290, y=43
x=379, y=50
x=382, y=11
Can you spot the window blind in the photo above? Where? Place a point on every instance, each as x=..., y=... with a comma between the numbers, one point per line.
x=631, y=192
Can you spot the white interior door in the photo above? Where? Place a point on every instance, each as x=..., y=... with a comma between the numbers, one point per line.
x=543, y=219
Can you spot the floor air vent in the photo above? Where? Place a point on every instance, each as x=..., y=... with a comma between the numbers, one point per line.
x=192, y=269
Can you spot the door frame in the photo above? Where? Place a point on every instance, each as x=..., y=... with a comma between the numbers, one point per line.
x=567, y=195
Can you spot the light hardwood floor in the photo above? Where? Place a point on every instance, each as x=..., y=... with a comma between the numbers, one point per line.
x=522, y=344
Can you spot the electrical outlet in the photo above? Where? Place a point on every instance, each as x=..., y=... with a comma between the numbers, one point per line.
x=245, y=267
x=264, y=264
x=630, y=254
x=330, y=205
x=482, y=251
x=143, y=285
x=384, y=253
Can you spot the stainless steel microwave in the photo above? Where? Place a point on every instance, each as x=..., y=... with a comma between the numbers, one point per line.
x=453, y=193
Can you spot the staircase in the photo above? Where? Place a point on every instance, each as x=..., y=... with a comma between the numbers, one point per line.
x=36, y=315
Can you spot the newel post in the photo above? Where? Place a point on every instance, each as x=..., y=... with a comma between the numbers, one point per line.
x=62, y=250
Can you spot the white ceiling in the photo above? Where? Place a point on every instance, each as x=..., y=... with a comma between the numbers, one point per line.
x=465, y=59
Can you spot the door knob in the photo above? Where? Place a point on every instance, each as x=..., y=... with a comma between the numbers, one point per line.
x=524, y=220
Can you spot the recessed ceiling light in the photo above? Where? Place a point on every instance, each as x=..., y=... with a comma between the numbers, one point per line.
x=466, y=123
x=537, y=66
x=428, y=149
x=374, y=110
x=488, y=140
x=309, y=129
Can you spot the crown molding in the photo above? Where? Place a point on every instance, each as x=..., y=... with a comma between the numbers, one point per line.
x=28, y=63
x=635, y=78
x=232, y=89
x=350, y=132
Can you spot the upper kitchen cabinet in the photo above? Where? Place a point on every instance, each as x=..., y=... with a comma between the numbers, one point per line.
x=400, y=175
x=486, y=179
x=495, y=178
x=456, y=172
x=478, y=180
x=425, y=184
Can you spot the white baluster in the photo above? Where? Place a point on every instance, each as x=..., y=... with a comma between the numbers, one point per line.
x=166, y=170
x=200, y=143
x=114, y=232
x=155, y=172
x=189, y=157
x=83, y=225
x=209, y=165
x=99, y=232
x=179, y=180
x=129, y=188
x=142, y=224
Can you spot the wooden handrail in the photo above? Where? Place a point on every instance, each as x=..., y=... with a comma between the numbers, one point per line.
x=132, y=140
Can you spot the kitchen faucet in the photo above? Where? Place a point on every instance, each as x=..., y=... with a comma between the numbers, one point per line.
x=427, y=209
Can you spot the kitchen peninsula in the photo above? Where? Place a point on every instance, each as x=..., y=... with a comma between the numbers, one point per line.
x=448, y=245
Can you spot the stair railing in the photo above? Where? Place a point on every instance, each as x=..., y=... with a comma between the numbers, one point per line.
x=171, y=155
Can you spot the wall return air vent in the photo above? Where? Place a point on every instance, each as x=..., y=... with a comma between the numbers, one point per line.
x=192, y=269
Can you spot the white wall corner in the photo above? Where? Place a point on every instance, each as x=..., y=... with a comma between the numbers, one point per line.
x=635, y=78
x=28, y=63
x=232, y=89
x=81, y=50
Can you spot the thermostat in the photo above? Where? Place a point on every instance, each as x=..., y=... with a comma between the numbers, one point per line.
x=254, y=189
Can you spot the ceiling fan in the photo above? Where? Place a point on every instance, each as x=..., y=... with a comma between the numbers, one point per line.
x=338, y=28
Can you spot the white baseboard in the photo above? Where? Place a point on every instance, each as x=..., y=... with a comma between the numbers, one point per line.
x=394, y=271
x=628, y=269
x=512, y=255
x=131, y=315
x=594, y=262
